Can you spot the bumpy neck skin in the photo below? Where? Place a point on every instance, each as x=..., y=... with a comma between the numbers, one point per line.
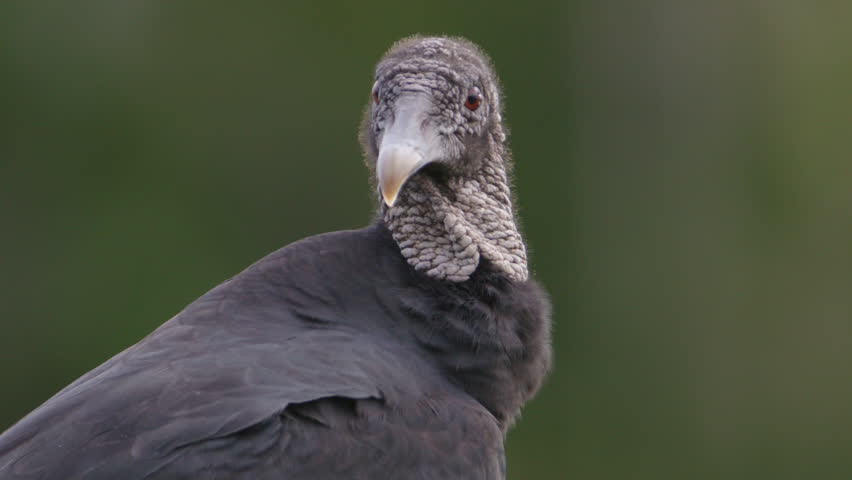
x=444, y=230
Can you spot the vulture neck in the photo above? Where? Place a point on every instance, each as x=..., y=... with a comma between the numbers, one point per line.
x=445, y=227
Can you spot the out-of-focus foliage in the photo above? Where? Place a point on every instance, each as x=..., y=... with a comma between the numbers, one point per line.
x=683, y=169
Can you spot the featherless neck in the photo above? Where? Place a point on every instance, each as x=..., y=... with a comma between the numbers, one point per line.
x=444, y=230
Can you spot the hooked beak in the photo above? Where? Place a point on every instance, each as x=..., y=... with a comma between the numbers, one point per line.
x=408, y=145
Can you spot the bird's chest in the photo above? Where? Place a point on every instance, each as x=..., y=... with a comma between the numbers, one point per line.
x=494, y=348
x=496, y=370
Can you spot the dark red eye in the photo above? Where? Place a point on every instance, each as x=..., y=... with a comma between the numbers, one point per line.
x=376, y=93
x=474, y=99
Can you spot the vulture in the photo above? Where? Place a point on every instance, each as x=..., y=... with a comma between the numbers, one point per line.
x=403, y=350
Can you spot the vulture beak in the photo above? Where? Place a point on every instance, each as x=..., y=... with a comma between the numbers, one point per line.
x=409, y=143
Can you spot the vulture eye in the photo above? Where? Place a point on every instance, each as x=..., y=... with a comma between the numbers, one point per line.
x=376, y=93
x=474, y=99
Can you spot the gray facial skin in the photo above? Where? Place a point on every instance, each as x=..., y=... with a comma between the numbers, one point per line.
x=434, y=136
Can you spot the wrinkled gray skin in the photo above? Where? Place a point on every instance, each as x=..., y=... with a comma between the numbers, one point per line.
x=459, y=208
x=341, y=356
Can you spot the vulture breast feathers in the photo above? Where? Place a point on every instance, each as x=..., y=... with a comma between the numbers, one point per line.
x=405, y=349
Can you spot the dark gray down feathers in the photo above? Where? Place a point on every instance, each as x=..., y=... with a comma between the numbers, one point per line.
x=328, y=359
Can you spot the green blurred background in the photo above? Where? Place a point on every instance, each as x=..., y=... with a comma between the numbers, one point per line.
x=684, y=173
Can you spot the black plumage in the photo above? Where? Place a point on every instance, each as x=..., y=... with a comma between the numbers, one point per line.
x=332, y=358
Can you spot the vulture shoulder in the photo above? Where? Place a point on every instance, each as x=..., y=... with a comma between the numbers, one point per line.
x=296, y=360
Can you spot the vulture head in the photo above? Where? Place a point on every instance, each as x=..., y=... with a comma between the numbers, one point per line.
x=433, y=135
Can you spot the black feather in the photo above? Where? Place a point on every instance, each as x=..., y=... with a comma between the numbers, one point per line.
x=330, y=358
